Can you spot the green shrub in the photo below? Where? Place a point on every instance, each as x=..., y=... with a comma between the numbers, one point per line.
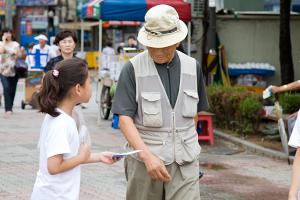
x=290, y=102
x=250, y=109
x=235, y=108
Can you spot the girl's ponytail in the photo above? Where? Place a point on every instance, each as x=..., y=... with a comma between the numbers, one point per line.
x=47, y=97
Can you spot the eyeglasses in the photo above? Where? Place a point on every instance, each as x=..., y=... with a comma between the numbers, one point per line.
x=65, y=42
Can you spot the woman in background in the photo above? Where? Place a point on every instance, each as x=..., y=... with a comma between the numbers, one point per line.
x=9, y=51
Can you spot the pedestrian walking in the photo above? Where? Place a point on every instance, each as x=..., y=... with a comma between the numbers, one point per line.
x=42, y=49
x=159, y=93
x=108, y=49
x=9, y=52
x=61, y=153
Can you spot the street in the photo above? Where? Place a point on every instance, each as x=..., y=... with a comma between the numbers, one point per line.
x=229, y=171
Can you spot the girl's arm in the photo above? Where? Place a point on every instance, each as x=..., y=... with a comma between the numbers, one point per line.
x=295, y=186
x=105, y=157
x=57, y=164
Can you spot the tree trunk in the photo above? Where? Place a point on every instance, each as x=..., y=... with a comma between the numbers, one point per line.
x=285, y=47
x=204, y=41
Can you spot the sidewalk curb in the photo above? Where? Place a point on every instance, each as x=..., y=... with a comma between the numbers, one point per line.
x=253, y=147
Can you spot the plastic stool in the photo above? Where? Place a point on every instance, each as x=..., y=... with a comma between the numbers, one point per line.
x=205, y=118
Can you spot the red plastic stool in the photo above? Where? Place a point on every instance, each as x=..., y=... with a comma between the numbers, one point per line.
x=207, y=128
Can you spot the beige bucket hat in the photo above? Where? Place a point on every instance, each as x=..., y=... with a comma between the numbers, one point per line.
x=162, y=27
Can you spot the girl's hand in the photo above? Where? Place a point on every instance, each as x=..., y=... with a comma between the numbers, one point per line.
x=107, y=157
x=84, y=152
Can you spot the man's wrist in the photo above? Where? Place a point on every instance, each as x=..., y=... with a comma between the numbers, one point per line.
x=144, y=155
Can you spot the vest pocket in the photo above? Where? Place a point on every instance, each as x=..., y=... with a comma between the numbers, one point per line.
x=151, y=107
x=190, y=146
x=190, y=101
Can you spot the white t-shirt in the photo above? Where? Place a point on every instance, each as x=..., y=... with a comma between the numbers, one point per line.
x=54, y=51
x=58, y=135
x=44, y=58
x=108, y=51
x=295, y=137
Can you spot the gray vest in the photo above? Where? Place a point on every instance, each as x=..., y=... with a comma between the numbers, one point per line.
x=169, y=133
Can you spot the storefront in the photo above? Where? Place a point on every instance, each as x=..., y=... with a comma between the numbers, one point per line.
x=35, y=17
x=115, y=31
x=2, y=13
x=130, y=10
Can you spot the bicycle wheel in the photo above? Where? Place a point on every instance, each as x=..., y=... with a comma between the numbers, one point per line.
x=105, y=102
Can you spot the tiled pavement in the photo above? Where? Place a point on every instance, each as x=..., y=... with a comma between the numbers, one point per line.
x=230, y=173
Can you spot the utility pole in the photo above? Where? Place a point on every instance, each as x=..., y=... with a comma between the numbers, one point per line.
x=82, y=30
x=8, y=14
x=209, y=55
x=212, y=32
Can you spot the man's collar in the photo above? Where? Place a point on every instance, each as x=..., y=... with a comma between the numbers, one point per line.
x=170, y=63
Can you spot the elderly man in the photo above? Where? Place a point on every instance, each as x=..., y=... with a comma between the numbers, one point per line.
x=158, y=94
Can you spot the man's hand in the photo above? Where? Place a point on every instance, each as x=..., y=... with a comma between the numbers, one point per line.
x=156, y=168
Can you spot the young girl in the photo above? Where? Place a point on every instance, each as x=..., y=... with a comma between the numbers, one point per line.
x=61, y=153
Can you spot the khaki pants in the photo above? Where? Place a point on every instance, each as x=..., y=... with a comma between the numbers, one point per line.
x=184, y=183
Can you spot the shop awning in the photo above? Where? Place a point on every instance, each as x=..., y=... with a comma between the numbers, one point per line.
x=88, y=25
x=131, y=10
x=91, y=10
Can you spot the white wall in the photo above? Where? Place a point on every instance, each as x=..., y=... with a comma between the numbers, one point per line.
x=254, y=39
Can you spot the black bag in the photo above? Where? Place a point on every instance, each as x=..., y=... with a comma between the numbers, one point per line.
x=21, y=68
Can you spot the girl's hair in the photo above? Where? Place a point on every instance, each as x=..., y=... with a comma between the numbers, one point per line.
x=57, y=83
x=64, y=34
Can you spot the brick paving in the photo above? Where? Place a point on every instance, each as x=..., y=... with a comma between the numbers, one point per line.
x=230, y=172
